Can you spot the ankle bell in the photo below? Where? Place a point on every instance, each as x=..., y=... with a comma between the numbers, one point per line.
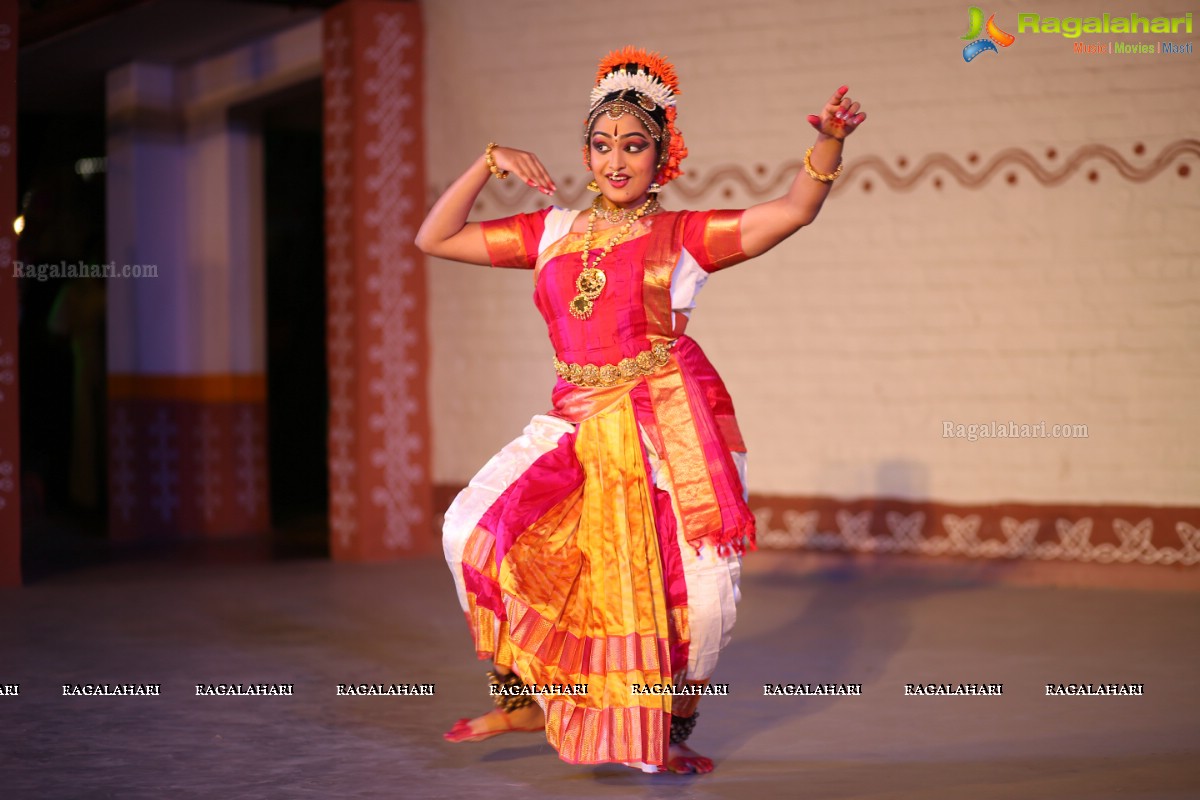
x=681, y=727
x=508, y=692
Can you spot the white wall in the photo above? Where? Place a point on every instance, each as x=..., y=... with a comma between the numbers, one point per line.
x=848, y=346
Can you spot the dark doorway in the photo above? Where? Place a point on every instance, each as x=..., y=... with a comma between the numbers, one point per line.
x=61, y=200
x=297, y=389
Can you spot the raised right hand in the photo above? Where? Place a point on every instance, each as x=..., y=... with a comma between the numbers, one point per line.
x=526, y=166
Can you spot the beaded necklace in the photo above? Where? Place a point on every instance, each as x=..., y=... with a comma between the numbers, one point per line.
x=591, y=280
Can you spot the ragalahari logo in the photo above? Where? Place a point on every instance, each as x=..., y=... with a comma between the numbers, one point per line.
x=995, y=36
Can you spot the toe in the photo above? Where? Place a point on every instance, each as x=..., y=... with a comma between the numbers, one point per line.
x=460, y=729
x=688, y=765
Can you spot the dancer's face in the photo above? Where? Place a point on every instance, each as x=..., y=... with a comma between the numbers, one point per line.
x=624, y=159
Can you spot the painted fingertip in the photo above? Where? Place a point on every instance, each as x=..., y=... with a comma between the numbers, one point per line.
x=843, y=89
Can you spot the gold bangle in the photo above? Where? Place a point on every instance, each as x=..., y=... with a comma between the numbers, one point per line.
x=812, y=173
x=491, y=161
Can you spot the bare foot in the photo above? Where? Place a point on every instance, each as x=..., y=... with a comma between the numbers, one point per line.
x=683, y=759
x=496, y=722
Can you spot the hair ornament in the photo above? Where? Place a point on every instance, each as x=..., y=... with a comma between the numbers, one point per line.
x=645, y=85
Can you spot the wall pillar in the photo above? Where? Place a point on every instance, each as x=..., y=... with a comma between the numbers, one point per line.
x=380, y=490
x=10, y=419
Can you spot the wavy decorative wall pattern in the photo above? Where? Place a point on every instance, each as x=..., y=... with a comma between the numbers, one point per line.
x=1006, y=162
x=867, y=173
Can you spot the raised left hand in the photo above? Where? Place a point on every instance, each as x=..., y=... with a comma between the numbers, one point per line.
x=840, y=117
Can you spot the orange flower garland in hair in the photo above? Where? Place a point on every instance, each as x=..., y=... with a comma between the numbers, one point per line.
x=653, y=63
x=676, y=151
x=655, y=78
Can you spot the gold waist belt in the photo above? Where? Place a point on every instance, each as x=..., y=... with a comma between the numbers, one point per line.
x=626, y=370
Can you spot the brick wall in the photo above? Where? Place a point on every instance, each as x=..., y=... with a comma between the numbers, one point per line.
x=963, y=270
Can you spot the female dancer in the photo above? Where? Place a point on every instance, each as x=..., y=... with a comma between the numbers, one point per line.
x=597, y=556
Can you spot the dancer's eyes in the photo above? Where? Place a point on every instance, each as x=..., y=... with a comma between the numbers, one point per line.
x=631, y=146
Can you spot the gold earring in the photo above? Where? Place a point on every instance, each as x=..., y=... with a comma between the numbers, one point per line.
x=593, y=186
x=654, y=188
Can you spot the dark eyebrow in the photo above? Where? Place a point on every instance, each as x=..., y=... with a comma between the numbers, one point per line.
x=622, y=136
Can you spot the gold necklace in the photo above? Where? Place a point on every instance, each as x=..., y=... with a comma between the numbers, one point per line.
x=591, y=279
x=615, y=214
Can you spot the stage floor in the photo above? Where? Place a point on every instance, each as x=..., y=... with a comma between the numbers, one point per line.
x=803, y=619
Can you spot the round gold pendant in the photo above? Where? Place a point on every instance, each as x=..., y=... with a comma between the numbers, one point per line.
x=580, y=307
x=590, y=282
